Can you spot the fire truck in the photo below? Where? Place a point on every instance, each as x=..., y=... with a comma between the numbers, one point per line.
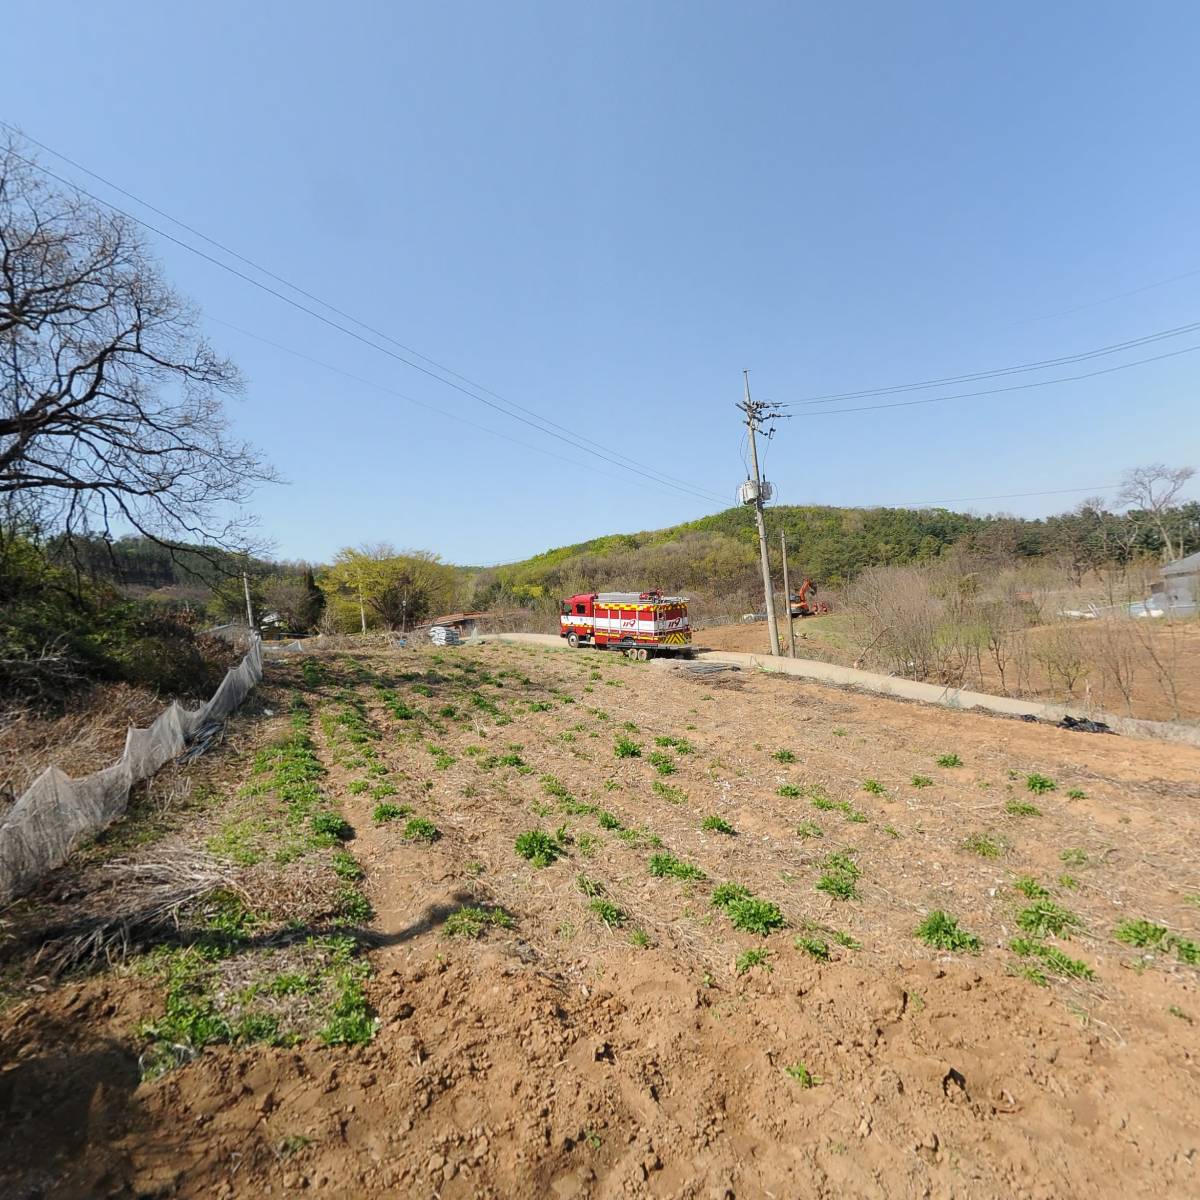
x=641, y=624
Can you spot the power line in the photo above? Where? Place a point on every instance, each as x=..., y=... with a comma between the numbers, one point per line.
x=379, y=387
x=1002, y=371
x=1103, y=487
x=578, y=443
x=1016, y=387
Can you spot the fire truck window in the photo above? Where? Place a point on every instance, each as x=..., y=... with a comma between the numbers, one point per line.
x=581, y=608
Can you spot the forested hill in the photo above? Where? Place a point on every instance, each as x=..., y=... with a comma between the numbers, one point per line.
x=829, y=544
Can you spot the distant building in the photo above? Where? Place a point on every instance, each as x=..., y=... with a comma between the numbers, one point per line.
x=1181, y=585
x=466, y=624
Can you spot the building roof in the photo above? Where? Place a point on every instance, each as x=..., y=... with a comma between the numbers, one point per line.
x=457, y=618
x=1188, y=565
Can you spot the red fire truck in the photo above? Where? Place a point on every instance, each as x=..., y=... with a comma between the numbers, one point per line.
x=639, y=623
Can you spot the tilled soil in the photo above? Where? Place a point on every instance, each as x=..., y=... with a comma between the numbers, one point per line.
x=568, y=1056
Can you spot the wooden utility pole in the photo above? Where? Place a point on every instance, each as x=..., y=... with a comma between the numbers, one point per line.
x=787, y=596
x=249, y=609
x=757, y=412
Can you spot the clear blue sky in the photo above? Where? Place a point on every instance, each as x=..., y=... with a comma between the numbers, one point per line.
x=605, y=212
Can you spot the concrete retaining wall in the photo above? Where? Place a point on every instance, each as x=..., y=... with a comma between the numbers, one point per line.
x=912, y=689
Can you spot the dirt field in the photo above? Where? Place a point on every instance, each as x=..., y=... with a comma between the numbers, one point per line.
x=829, y=640
x=611, y=1033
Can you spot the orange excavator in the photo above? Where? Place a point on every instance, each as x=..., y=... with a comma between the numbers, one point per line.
x=801, y=605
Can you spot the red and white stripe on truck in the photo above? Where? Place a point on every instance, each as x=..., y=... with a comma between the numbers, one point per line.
x=646, y=620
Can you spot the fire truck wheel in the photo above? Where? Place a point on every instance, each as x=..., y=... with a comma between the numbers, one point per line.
x=643, y=654
x=573, y=640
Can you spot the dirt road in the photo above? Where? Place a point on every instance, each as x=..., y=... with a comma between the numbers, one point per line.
x=612, y=1032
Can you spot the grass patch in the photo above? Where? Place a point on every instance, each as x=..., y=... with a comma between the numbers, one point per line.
x=949, y=760
x=672, y=795
x=346, y=866
x=1073, y=857
x=941, y=931
x=678, y=744
x=1052, y=958
x=1028, y=886
x=809, y=829
x=352, y=906
x=789, y=790
x=922, y=781
x=640, y=938
x=874, y=787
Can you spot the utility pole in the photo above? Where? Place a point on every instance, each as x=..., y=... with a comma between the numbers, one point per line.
x=752, y=492
x=787, y=596
x=249, y=609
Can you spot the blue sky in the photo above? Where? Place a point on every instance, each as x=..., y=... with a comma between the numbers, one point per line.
x=603, y=213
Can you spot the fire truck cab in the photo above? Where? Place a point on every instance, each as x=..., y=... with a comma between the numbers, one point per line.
x=639, y=623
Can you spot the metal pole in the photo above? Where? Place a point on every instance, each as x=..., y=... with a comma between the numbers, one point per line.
x=772, y=628
x=787, y=596
x=249, y=610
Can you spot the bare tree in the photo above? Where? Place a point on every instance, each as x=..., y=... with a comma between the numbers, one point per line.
x=110, y=401
x=1153, y=491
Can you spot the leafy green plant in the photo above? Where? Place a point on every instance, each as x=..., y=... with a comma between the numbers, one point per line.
x=716, y=824
x=725, y=894
x=844, y=939
x=1028, y=886
x=1140, y=933
x=825, y=804
x=588, y=886
x=608, y=912
x=1039, y=784
x=421, y=830
x=1076, y=794
x=949, y=760
x=754, y=916
x=330, y=826
x=922, y=781
x=662, y=762
x=1073, y=858
x=809, y=829
x=1022, y=808
x=1045, y=917
x=672, y=795
x=639, y=938
x=941, y=931
x=667, y=865
x=538, y=847
x=789, y=790
x=356, y=787
x=471, y=921
x=840, y=877
x=784, y=756
x=750, y=959
x=345, y=866
x=983, y=845
x=389, y=812
x=1053, y=958
x=351, y=905
x=874, y=787
x=814, y=947
x=608, y=820
x=680, y=745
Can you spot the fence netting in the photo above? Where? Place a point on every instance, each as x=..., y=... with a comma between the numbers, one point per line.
x=57, y=812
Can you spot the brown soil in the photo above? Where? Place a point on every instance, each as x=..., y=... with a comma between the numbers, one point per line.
x=1148, y=700
x=559, y=1059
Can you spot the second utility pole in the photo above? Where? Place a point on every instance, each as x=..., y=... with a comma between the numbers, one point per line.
x=754, y=414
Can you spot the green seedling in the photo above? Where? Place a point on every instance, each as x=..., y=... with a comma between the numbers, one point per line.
x=784, y=756
x=922, y=781
x=800, y=1074
x=814, y=947
x=715, y=824
x=640, y=938
x=874, y=787
x=672, y=795
x=1047, y=918
x=789, y=790
x=329, y=825
x=1076, y=794
x=949, y=760
x=754, y=916
x=940, y=930
x=1028, y=886
x=1053, y=958
x=983, y=845
x=1039, y=784
x=749, y=959
x=623, y=747
x=844, y=939
x=841, y=875
x=809, y=829
x=345, y=866
x=1073, y=858
x=588, y=886
x=662, y=762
